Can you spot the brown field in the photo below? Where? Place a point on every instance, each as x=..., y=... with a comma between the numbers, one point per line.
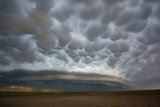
x=81, y=99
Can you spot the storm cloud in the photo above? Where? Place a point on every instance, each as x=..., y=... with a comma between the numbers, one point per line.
x=108, y=37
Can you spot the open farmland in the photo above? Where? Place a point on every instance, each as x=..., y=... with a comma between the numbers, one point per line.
x=81, y=99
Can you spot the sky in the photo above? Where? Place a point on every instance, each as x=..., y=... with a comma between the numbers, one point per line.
x=112, y=38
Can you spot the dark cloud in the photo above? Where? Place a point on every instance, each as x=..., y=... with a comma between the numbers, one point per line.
x=112, y=61
x=98, y=46
x=72, y=54
x=115, y=12
x=94, y=31
x=105, y=19
x=152, y=0
x=82, y=53
x=124, y=18
x=62, y=12
x=59, y=81
x=4, y=60
x=44, y=6
x=150, y=35
x=10, y=7
x=14, y=25
x=74, y=44
x=88, y=48
x=119, y=47
x=116, y=35
x=109, y=37
x=145, y=12
x=111, y=2
x=86, y=2
x=135, y=26
x=22, y=49
x=89, y=13
x=46, y=41
x=63, y=38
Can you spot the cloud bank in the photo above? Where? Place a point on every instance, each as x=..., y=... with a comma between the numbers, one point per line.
x=111, y=37
x=56, y=81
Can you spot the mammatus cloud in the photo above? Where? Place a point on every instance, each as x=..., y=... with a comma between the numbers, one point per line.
x=110, y=37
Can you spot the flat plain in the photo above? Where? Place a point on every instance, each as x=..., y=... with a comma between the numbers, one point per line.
x=143, y=98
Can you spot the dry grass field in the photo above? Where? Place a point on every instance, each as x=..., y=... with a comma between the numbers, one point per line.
x=81, y=99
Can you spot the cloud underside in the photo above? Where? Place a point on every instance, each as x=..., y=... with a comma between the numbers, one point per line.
x=112, y=37
x=53, y=81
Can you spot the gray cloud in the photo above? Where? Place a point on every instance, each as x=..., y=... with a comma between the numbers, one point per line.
x=94, y=31
x=21, y=49
x=112, y=61
x=63, y=38
x=124, y=18
x=16, y=25
x=111, y=2
x=44, y=6
x=89, y=13
x=119, y=47
x=74, y=44
x=88, y=48
x=95, y=36
x=10, y=7
x=86, y=2
x=135, y=26
x=62, y=12
x=116, y=35
x=23, y=80
x=98, y=46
